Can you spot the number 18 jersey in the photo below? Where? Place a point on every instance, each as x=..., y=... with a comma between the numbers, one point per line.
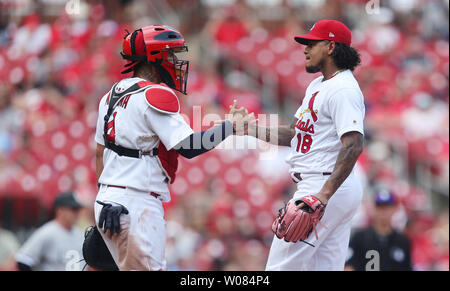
x=330, y=109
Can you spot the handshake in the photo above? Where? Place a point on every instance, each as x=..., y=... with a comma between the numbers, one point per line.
x=242, y=122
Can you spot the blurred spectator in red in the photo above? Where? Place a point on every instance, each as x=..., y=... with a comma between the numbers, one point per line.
x=426, y=119
x=32, y=38
x=230, y=26
x=430, y=241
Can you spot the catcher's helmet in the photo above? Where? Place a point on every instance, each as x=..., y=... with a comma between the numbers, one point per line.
x=158, y=44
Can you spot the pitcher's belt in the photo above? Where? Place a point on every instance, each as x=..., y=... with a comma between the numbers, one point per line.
x=297, y=177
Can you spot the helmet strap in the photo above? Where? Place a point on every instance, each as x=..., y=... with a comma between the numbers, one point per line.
x=133, y=58
x=132, y=41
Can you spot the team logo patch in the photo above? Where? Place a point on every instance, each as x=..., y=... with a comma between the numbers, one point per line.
x=331, y=34
x=310, y=106
x=305, y=126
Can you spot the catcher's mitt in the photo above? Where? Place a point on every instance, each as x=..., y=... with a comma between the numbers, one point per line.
x=95, y=251
x=294, y=224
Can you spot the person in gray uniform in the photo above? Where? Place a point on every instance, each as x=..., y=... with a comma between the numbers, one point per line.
x=56, y=245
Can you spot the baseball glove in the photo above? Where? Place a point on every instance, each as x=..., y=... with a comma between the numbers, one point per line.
x=95, y=251
x=294, y=224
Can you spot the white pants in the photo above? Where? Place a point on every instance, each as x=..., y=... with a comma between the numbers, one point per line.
x=330, y=249
x=141, y=242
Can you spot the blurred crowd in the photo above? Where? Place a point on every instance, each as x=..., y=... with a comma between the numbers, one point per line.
x=58, y=58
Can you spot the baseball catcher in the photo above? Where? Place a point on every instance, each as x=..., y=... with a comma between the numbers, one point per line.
x=140, y=136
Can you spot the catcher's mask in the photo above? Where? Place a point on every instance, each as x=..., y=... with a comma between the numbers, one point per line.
x=158, y=45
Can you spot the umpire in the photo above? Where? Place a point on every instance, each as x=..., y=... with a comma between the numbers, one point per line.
x=380, y=247
x=56, y=245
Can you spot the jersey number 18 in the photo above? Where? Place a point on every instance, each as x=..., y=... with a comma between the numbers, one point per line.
x=304, y=144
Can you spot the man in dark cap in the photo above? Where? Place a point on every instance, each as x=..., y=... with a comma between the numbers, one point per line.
x=56, y=245
x=380, y=247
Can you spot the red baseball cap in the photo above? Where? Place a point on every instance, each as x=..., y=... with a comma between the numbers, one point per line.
x=327, y=30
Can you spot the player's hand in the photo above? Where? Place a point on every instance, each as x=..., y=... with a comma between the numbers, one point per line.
x=110, y=217
x=240, y=119
x=253, y=128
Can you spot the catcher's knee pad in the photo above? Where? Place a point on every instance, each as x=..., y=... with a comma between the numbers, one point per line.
x=95, y=251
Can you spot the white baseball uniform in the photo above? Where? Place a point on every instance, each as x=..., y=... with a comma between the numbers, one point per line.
x=330, y=109
x=137, y=124
x=53, y=248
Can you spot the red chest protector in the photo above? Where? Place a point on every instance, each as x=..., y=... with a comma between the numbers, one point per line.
x=164, y=100
x=168, y=160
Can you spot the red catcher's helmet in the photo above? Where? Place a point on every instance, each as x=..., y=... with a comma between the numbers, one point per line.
x=158, y=45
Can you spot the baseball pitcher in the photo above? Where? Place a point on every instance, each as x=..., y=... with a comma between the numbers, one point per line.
x=326, y=138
